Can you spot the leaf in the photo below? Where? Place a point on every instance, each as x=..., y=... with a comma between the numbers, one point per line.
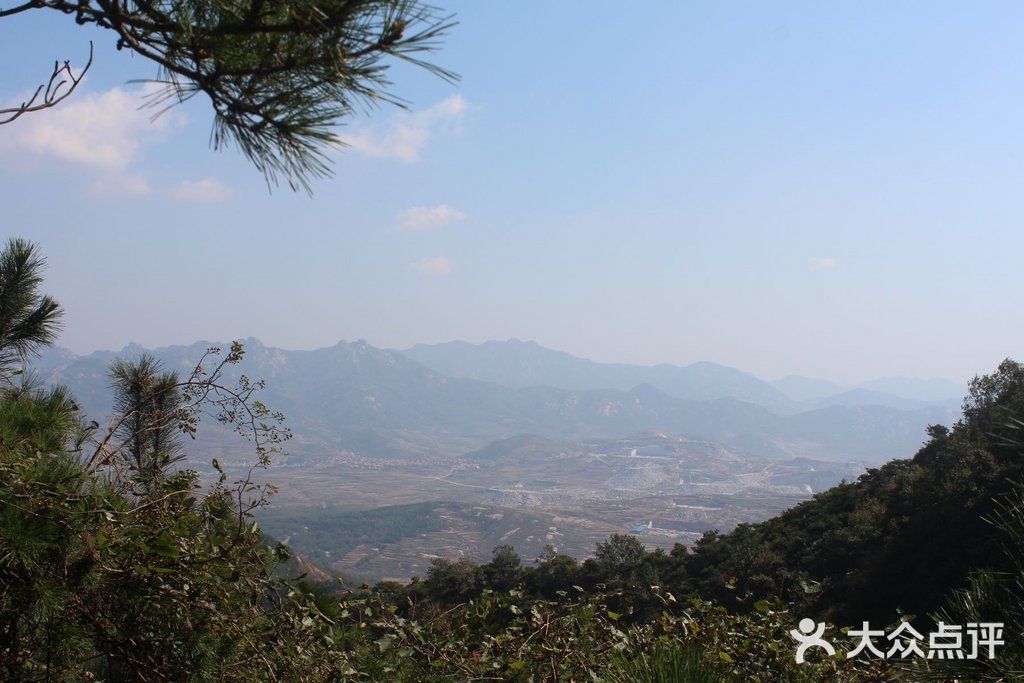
x=725, y=657
x=165, y=545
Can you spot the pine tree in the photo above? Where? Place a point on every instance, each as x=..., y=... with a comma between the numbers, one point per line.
x=28, y=318
x=149, y=402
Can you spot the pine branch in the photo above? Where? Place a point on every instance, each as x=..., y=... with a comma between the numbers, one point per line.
x=281, y=75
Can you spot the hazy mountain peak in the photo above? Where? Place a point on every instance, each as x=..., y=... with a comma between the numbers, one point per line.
x=515, y=341
x=132, y=349
x=519, y=364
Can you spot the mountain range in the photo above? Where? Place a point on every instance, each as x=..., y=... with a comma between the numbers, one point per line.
x=446, y=400
x=523, y=364
x=518, y=363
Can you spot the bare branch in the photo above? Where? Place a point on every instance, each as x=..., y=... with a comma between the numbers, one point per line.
x=58, y=88
x=33, y=4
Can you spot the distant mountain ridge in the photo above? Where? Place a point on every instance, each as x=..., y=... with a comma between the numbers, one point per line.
x=803, y=389
x=377, y=403
x=935, y=389
x=517, y=363
x=520, y=364
x=867, y=397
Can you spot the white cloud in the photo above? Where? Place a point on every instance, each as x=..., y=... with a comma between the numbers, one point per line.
x=205, y=190
x=101, y=131
x=119, y=185
x=406, y=134
x=824, y=262
x=427, y=218
x=438, y=266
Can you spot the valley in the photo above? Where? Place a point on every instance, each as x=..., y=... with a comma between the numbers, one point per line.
x=531, y=492
x=511, y=443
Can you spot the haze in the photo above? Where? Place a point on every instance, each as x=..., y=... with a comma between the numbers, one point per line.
x=784, y=188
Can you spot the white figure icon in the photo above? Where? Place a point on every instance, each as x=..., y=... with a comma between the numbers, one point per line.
x=810, y=635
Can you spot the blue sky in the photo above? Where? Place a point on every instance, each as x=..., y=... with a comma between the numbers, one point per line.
x=829, y=189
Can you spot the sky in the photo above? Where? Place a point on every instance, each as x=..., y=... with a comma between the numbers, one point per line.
x=824, y=189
